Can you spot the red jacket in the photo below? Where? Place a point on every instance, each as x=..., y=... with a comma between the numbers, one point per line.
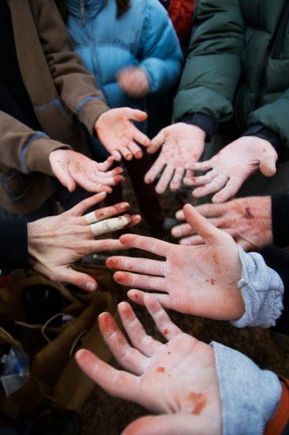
x=181, y=13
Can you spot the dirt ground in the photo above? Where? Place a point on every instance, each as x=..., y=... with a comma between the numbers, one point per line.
x=104, y=415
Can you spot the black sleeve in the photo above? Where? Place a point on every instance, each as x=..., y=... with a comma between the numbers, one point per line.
x=13, y=243
x=278, y=260
x=280, y=219
x=207, y=123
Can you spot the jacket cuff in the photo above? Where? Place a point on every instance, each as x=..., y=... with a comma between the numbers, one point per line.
x=259, y=130
x=89, y=110
x=34, y=155
x=13, y=243
x=206, y=122
x=280, y=219
x=278, y=260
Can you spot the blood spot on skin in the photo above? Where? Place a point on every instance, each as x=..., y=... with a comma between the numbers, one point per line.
x=211, y=281
x=166, y=332
x=248, y=215
x=100, y=215
x=121, y=207
x=215, y=258
x=111, y=263
x=107, y=323
x=160, y=369
x=199, y=402
x=120, y=277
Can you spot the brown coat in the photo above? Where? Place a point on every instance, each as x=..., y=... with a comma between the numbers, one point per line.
x=61, y=91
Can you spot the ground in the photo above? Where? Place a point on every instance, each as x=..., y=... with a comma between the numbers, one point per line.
x=109, y=416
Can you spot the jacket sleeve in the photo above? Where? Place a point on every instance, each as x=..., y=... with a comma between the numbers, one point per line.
x=161, y=53
x=275, y=117
x=213, y=65
x=13, y=243
x=75, y=84
x=24, y=149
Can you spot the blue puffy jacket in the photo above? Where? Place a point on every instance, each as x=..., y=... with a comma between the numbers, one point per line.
x=143, y=36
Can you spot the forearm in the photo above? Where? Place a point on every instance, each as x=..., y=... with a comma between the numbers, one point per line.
x=249, y=395
x=24, y=149
x=75, y=84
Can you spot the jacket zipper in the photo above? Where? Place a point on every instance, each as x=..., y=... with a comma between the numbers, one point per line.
x=273, y=49
x=82, y=11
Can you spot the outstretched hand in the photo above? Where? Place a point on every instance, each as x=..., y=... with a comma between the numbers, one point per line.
x=118, y=134
x=177, y=380
x=182, y=144
x=231, y=167
x=253, y=215
x=72, y=169
x=55, y=243
x=199, y=280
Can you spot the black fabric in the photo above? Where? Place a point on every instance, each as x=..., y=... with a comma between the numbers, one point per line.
x=280, y=219
x=207, y=123
x=14, y=99
x=263, y=132
x=278, y=260
x=13, y=243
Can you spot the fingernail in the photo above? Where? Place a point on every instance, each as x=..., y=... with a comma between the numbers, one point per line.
x=90, y=286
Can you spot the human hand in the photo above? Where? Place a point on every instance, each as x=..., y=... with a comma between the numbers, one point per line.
x=232, y=166
x=119, y=135
x=247, y=220
x=182, y=145
x=177, y=380
x=199, y=280
x=72, y=169
x=134, y=81
x=55, y=243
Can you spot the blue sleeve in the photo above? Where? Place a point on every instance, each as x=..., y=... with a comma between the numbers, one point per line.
x=161, y=55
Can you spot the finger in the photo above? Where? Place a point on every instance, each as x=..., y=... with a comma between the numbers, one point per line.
x=200, y=166
x=104, y=213
x=126, y=153
x=136, y=115
x=138, y=336
x=82, y=206
x=189, y=177
x=165, y=179
x=180, y=215
x=191, y=241
x=115, y=382
x=129, y=358
x=212, y=210
x=138, y=265
x=231, y=188
x=148, y=244
x=157, y=142
x=268, y=166
x=140, y=281
x=162, y=321
x=116, y=155
x=204, y=179
x=137, y=296
x=209, y=233
x=177, y=179
x=169, y=424
x=64, y=177
x=105, y=245
x=136, y=150
x=104, y=166
x=218, y=183
x=79, y=279
x=108, y=225
x=141, y=138
x=155, y=170
x=183, y=230
x=91, y=186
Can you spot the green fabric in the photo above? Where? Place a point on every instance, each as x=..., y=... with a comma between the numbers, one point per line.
x=225, y=61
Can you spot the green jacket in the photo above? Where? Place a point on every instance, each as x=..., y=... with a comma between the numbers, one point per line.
x=238, y=64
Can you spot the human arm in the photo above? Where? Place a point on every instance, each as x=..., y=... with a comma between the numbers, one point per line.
x=77, y=88
x=186, y=382
x=55, y=243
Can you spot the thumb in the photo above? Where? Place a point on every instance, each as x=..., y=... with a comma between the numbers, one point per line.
x=137, y=115
x=82, y=280
x=162, y=425
x=157, y=142
x=268, y=165
x=208, y=232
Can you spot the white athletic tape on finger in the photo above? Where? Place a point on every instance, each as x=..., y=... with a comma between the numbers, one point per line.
x=91, y=218
x=108, y=225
